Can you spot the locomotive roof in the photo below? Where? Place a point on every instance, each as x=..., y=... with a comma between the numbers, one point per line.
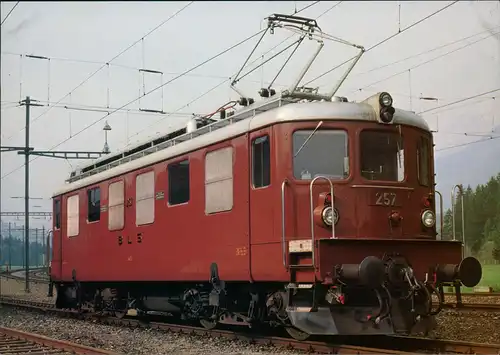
x=326, y=111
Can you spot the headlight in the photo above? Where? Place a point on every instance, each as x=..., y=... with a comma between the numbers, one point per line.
x=385, y=99
x=428, y=218
x=329, y=216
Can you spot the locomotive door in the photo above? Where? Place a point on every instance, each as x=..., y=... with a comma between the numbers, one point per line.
x=57, y=246
x=265, y=256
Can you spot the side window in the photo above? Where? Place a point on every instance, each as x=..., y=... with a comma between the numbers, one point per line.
x=73, y=214
x=423, y=159
x=57, y=214
x=94, y=204
x=116, y=199
x=178, y=182
x=261, y=162
x=145, y=198
x=219, y=180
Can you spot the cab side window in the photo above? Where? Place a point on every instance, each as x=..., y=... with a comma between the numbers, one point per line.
x=423, y=160
x=94, y=204
x=178, y=182
x=57, y=214
x=261, y=162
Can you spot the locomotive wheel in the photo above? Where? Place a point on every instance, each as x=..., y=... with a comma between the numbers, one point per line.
x=120, y=308
x=208, y=324
x=120, y=314
x=297, y=334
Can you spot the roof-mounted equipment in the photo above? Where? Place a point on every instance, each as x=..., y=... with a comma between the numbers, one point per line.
x=382, y=104
x=227, y=114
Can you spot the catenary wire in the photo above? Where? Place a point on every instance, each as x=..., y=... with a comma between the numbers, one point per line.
x=459, y=101
x=166, y=73
x=107, y=109
x=8, y=14
x=426, y=62
x=468, y=143
x=105, y=64
x=384, y=40
x=145, y=94
x=422, y=53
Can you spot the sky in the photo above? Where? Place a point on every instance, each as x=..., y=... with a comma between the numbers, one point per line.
x=450, y=56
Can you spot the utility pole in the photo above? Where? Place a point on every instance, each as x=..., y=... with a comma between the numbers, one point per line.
x=43, y=245
x=23, y=241
x=10, y=249
x=27, y=194
x=36, y=247
x=27, y=151
x=1, y=246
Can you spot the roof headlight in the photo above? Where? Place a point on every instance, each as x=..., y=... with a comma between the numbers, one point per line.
x=428, y=218
x=385, y=99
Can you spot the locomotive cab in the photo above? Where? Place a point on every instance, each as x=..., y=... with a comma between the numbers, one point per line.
x=375, y=262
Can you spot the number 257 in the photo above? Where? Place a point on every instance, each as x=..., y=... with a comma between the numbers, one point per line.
x=385, y=198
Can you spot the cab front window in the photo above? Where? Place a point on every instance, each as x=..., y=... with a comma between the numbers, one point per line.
x=382, y=156
x=324, y=152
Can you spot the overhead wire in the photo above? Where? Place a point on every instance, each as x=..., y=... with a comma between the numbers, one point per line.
x=107, y=64
x=459, y=101
x=115, y=57
x=143, y=95
x=8, y=14
x=457, y=106
x=426, y=62
x=180, y=108
x=468, y=143
x=249, y=64
x=422, y=53
x=162, y=85
x=384, y=41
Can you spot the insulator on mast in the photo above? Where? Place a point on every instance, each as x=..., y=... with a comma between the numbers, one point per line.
x=265, y=92
x=244, y=101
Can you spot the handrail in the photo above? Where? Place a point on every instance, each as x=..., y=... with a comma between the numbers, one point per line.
x=47, y=261
x=460, y=189
x=312, y=212
x=441, y=215
x=283, y=241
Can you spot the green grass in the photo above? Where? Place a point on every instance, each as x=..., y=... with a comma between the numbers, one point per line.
x=491, y=277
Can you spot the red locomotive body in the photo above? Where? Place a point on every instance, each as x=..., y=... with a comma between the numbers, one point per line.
x=315, y=216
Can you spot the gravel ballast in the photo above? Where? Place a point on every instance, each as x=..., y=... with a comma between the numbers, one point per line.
x=481, y=327
x=127, y=341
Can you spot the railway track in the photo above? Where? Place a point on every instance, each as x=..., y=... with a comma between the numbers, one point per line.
x=37, y=275
x=13, y=341
x=475, y=294
x=481, y=307
x=339, y=345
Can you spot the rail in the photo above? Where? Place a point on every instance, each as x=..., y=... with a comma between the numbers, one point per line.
x=14, y=341
x=340, y=345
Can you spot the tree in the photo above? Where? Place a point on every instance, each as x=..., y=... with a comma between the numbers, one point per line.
x=481, y=213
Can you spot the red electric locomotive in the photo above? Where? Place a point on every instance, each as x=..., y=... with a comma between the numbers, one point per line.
x=302, y=210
